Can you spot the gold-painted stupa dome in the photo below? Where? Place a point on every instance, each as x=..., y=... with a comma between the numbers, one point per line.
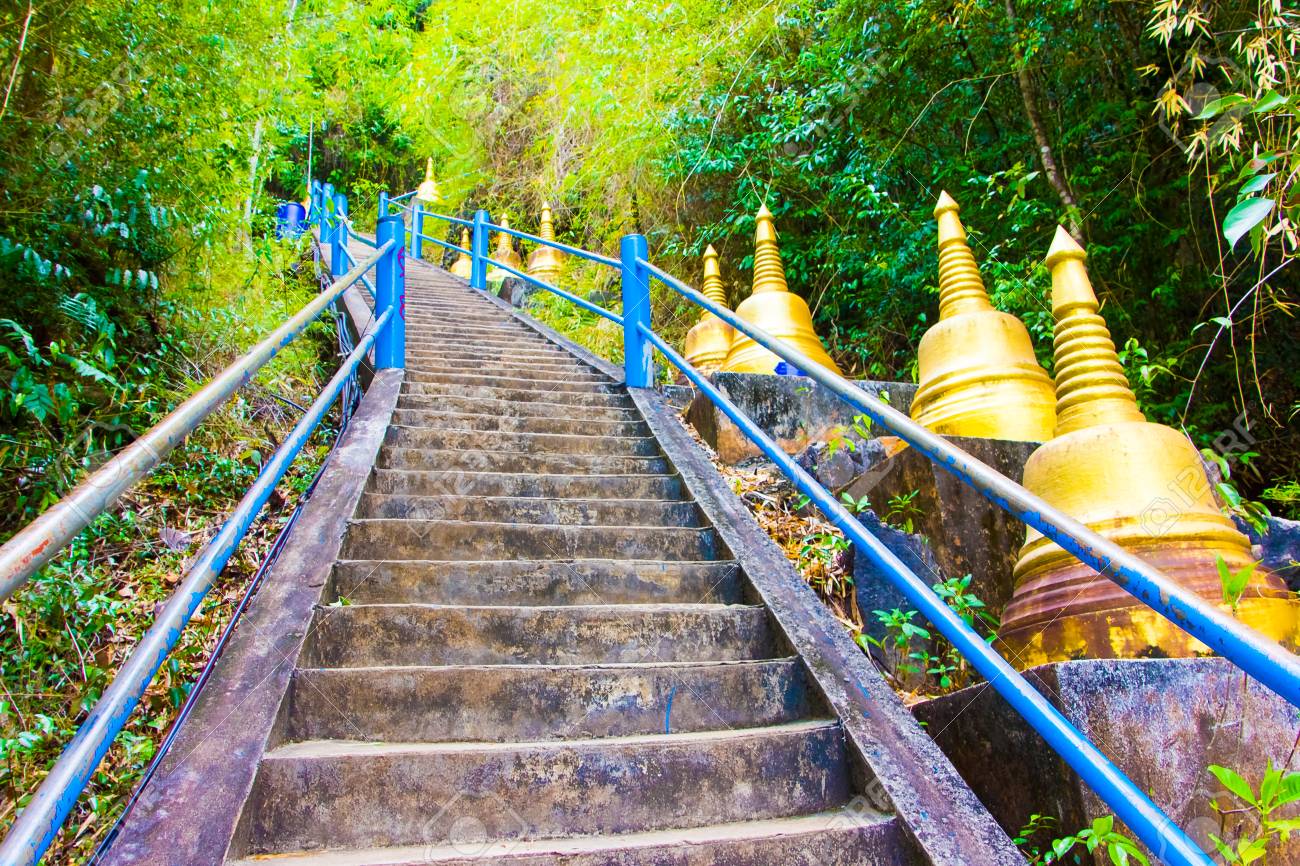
x=978, y=375
x=546, y=263
x=427, y=192
x=464, y=265
x=708, y=343
x=774, y=308
x=505, y=254
x=1138, y=484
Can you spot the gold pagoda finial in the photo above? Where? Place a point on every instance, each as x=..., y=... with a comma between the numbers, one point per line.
x=464, y=265
x=713, y=289
x=709, y=341
x=1091, y=387
x=505, y=254
x=961, y=290
x=978, y=375
x=774, y=308
x=769, y=272
x=546, y=263
x=428, y=190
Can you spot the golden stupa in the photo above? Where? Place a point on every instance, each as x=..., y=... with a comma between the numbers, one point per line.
x=772, y=307
x=546, y=263
x=1140, y=485
x=505, y=254
x=464, y=265
x=977, y=370
x=427, y=192
x=709, y=341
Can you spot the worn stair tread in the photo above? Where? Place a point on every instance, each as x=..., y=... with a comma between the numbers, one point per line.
x=555, y=484
x=551, y=511
x=535, y=702
x=839, y=837
x=537, y=581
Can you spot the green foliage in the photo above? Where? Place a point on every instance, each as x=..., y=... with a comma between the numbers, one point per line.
x=1101, y=836
x=1256, y=827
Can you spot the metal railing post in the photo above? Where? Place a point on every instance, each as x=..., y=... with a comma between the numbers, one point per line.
x=339, y=237
x=417, y=230
x=479, y=252
x=638, y=354
x=326, y=219
x=382, y=210
x=390, y=293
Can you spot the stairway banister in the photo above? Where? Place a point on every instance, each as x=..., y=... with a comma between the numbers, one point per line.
x=564, y=248
x=555, y=290
x=40, y=540
x=1151, y=825
x=41, y=819
x=1263, y=659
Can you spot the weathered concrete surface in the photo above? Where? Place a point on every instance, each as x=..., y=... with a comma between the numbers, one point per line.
x=533, y=509
x=899, y=767
x=793, y=410
x=504, y=703
x=1162, y=721
x=434, y=482
x=322, y=794
x=530, y=443
x=967, y=533
x=850, y=836
x=873, y=588
x=414, y=634
x=469, y=421
x=539, y=582
x=189, y=811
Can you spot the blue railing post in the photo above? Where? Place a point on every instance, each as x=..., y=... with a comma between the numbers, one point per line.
x=382, y=210
x=417, y=230
x=479, y=251
x=325, y=214
x=390, y=293
x=339, y=237
x=638, y=357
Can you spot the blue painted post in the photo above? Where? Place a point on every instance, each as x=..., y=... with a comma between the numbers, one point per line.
x=313, y=201
x=339, y=238
x=417, y=230
x=479, y=251
x=326, y=220
x=390, y=293
x=638, y=355
x=382, y=210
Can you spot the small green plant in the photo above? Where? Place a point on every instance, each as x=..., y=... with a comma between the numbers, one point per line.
x=901, y=511
x=896, y=645
x=857, y=506
x=1254, y=513
x=1279, y=787
x=1100, y=835
x=1234, y=583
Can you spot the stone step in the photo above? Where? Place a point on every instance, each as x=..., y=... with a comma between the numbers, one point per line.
x=536, y=582
x=510, y=424
x=504, y=703
x=515, y=408
x=377, y=635
x=338, y=794
x=531, y=509
x=554, y=486
x=848, y=836
x=460, y=460
x=457, y=348
x=577, y=382
x=448, y=437
x=538, y=370
x=451, y=540
x=581, y=398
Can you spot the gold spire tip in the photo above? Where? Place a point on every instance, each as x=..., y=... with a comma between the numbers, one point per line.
x=1064, y=247
x=945, y=204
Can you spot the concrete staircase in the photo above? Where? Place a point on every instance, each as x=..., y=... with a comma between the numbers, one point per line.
x=535, y=650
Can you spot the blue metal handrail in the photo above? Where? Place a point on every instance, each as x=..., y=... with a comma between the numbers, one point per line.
x=1256, y=655
x=365, y=281
x=456, y=221
x=41, y=819
x=443, y=244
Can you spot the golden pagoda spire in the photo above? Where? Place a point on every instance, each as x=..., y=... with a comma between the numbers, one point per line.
x=463, y=265
x=772, y=307
x=1091, y=387
x=428, y=190
x=1142, y=486
x=505, y=254
x=976, y=366
x=709, y=341
x=546, y=263
x=961, y=289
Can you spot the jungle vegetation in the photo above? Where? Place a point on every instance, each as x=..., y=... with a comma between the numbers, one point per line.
x=144, y=147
